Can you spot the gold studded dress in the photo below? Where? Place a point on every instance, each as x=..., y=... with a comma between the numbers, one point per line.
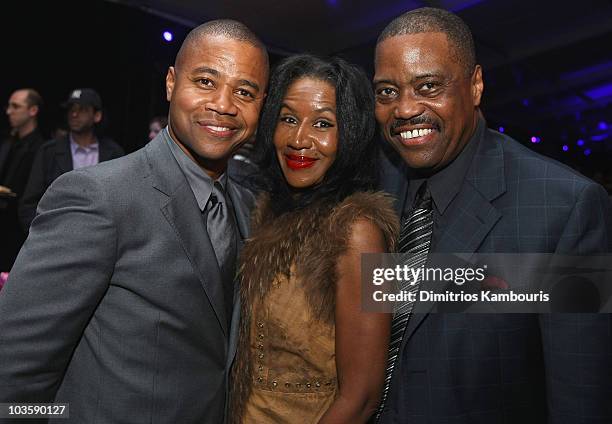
x=285, y=369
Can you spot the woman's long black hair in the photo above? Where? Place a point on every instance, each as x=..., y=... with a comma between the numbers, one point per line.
x=354, y=168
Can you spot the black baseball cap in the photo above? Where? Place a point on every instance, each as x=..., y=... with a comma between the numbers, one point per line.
x=85, y=97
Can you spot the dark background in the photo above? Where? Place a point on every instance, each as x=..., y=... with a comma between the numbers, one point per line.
x=547, y=65
x=56, y=46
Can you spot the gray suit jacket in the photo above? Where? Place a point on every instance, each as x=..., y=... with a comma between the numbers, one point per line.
x=115, y=303
x=509, y=368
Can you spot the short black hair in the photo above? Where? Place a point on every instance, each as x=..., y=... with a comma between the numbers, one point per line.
x=226, y=28
x=354, y=168
x=431, y=19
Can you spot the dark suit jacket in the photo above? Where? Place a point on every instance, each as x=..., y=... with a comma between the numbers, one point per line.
x=15, y=170
x=15, y=164
x=115, y=302
x=52, y=160
x=509, y=368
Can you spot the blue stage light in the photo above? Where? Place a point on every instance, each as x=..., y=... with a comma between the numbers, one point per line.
x=580, y=142
x=565, y=147
x=168, y=36
x=587, y=152
x=501, y=129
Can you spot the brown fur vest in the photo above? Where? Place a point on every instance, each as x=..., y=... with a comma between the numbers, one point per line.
x=311, y=240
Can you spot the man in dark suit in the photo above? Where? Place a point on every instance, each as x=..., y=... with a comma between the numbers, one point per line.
x=121, y=300
x=488, y=194
x=16, y=157
x=80, y=148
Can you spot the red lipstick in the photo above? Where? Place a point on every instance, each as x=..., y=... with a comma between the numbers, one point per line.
x=299, y=162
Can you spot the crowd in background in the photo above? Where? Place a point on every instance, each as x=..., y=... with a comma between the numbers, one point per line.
x=30, y=162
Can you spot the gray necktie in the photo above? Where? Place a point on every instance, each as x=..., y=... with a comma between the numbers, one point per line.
x=221, y=230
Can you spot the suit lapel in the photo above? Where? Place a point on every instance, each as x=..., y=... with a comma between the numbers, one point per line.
x=472, y=218
x=180, y=209
x=468, y=222
x=63, y=155
x=105, y=151
x=469, y=218
x=242, y=201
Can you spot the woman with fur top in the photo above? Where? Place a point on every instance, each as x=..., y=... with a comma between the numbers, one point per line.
x=307, y=351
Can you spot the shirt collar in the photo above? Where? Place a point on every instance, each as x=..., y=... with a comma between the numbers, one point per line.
x=445, y=184
x=74, y=146
x=198, y=180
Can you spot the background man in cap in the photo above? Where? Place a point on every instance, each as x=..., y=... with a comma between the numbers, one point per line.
x=121, y=302
x=80, y=148
x=16, y=157
x=479, y=191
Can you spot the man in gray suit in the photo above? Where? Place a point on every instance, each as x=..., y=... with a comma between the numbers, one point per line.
x=120, y=302
x=485, y=193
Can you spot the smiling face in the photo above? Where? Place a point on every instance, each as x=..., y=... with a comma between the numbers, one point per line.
x=426, y=105
x=215, y=91
x=306, y=135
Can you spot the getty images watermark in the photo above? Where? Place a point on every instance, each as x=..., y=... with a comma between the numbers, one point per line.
x=491, y=283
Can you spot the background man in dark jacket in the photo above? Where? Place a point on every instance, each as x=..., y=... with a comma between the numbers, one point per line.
x=80, y=148
x=16, y=157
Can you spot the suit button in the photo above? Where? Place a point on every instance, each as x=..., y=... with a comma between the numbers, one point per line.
x=308, y=385
x=287, y=385
x=260, y=356
x=260, y=346
x=260, y=368
x=260, y=335
x=274, y=384
x=317, y=384
x=260, y=324
x=259, y=379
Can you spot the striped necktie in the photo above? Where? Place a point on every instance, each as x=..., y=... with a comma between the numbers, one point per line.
x=415, y=238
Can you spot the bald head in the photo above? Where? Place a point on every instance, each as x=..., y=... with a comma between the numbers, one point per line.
x=227, y=28
x=216, y=89
x=32, y=97
x=430, y=19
